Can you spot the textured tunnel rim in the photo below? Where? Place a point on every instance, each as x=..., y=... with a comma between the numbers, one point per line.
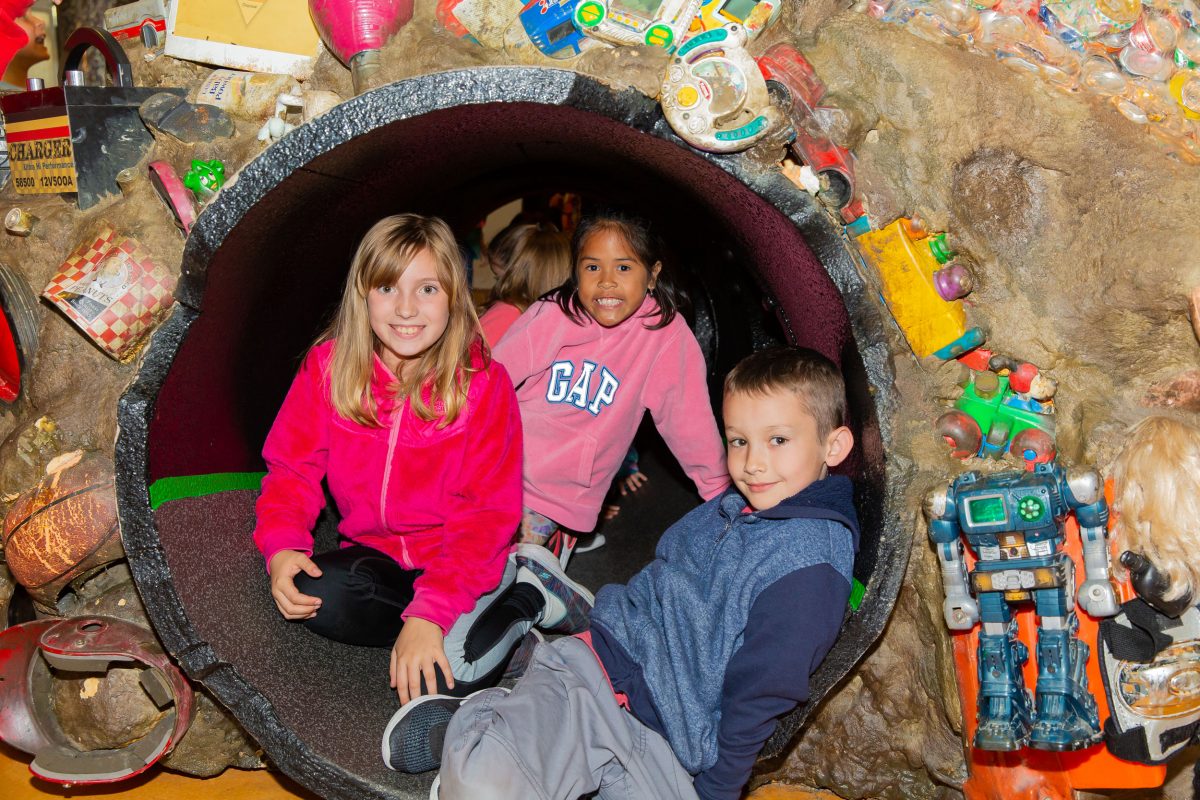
x=357, y=117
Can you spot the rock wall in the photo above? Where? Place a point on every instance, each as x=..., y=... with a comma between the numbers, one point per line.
x=1084, y=235
x=1083, y=229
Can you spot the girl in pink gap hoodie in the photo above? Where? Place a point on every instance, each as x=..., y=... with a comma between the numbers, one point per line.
x=417, y=432
x=588, y=361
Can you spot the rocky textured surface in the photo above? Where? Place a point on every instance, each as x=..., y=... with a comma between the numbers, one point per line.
x=1084, y=233
x=1081, y=229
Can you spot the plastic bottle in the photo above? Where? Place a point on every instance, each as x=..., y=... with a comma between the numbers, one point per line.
x=1185, y=88
x=1187, y=48
x=1099, y=75
x=1153, y=65
x=1000, y=30
x=1121, y=14
x=958, y=18
x=1154, y=32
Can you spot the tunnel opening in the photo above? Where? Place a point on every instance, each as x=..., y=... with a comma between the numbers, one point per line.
x=263, y=269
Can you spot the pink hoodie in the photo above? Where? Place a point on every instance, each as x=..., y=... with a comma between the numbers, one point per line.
x=443, y=501
x=583, y=390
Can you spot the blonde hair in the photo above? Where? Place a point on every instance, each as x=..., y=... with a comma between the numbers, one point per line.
x=443, y=372
x=1156, y=483
x=536, y=259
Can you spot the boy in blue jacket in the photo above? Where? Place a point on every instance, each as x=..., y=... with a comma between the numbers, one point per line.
x=688, y=667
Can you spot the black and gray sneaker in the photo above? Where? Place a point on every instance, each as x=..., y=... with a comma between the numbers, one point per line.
x=413, y=738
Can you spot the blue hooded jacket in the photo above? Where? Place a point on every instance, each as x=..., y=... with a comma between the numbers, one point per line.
x=716, y=638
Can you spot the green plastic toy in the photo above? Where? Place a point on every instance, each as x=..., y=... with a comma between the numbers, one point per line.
x=205, y=178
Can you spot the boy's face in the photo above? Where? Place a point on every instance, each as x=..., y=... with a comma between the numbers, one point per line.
x=774, y=450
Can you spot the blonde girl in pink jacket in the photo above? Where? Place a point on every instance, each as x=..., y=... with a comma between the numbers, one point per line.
x=588, y=361
x=415, y=428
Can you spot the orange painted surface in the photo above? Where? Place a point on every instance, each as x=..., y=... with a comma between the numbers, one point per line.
x=1030, y=774
x=16, y=783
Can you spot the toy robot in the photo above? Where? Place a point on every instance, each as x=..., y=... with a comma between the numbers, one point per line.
x=1013, y=523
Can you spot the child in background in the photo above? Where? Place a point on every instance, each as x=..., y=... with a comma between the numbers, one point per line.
x=588, y=361
x=418, y=434
x=688, y=666
x=528, y=261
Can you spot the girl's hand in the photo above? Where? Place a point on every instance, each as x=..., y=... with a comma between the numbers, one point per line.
x=633, y=483
x=418, y=648
x=284, y=567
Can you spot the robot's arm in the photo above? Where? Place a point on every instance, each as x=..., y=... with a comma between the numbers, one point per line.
x=960, y=609
x=1085, y=494
x=1154, y=586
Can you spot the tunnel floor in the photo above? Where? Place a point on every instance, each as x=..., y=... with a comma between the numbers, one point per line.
x=336, y=697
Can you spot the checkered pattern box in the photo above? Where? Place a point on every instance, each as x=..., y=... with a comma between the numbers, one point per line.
x=113, y=291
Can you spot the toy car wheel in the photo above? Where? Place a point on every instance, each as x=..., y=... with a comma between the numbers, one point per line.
x=839, y=192
x=961, y=432
x=1033, y=445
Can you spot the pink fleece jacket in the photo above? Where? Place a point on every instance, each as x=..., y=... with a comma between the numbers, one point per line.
x=446, y=501
x=583, y=390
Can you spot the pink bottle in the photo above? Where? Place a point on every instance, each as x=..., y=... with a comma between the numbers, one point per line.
x=355, y=30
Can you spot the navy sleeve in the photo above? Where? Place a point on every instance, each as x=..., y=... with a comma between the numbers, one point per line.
x=792, y=625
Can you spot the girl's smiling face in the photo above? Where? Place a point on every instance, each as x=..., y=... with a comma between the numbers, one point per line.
x=613, y=282
x=409, y=316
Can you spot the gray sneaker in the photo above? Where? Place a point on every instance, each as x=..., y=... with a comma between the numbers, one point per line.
x=568, y=605
x=413, y=738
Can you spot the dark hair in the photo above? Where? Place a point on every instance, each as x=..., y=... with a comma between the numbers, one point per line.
x=815, y=380
x=646, y=246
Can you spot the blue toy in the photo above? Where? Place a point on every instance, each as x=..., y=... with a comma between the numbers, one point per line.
x=1013, y=523
x=550, y=26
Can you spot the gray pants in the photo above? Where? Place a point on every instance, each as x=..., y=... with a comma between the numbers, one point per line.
x=559, y=735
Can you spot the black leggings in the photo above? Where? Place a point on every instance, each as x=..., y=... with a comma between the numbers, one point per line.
x=363, y=592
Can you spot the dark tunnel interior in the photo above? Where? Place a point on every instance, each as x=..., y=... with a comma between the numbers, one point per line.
x=259, y=288
x=275, y=278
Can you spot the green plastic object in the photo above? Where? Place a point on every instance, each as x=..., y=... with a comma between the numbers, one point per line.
x=205, y=178
x=999, y=415
x=165, y=490
x=857, y=593
x=940, y=249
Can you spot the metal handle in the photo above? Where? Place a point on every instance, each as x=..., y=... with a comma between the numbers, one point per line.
x=119, y=68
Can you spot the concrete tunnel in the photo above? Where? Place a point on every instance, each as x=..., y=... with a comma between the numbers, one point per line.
x=262, y=269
